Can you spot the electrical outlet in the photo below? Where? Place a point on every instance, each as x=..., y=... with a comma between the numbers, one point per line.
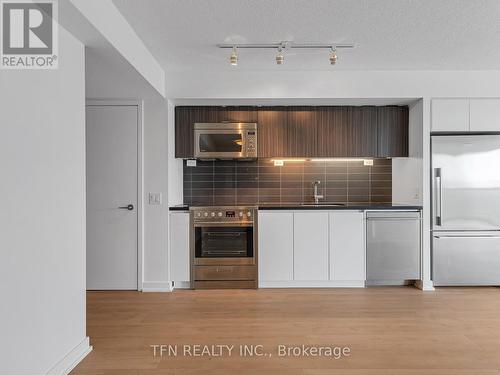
x=154, y=198
x=191, y=163
x=368, y=162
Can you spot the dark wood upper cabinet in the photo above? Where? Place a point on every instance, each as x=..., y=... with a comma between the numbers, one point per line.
x=301, y=132
x=237, y=114
x=185, y=118
x=333, y=131
x=392, y=133
x=272, y=132
x=362, y=132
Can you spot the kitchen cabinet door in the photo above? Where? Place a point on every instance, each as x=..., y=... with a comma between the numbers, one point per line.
x=485, y=115
x=310, y=238
x=301, y=132
x=332, y=131
x=362, y=133
x=272, y=128
x=450, y=115
x=275, y=250
x=347, y=246
x=237, y=114
x=392, y=131
x=179, y=246
x=185, y=118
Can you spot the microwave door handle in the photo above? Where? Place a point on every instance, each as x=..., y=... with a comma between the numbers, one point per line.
x=438, y=176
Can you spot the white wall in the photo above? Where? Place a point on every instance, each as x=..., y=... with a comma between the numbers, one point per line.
x=106, y=19
x=289, y=84
x=110, y=76
x=42, y=216
x=175, y=173
x=155, y=262
x=407, y=175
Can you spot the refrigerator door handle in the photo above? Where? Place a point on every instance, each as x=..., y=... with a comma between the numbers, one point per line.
x=439, y=196
x=466, y=236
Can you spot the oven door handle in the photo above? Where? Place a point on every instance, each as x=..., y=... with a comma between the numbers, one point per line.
x=222, y=234
x=221, y=225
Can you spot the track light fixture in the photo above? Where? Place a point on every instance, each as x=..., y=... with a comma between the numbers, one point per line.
x=280, y=59
x=333, y=56
x=233, y=60
x=281, y=46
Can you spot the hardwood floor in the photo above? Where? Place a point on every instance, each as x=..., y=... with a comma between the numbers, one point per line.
x=399, y=331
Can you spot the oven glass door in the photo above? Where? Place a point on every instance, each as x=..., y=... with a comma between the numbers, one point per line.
x=219, y=143
x=224, y=242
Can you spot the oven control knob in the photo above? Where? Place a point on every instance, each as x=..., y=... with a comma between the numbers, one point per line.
x=212, y=214
x=219, y=214
x=198, y=214
x=205, y=214
x=249, y=213
x=241, y=214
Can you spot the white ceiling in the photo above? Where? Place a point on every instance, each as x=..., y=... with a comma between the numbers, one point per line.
x=389, y=34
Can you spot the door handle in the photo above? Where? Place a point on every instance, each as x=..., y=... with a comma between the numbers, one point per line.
x=129, y=207
x=439, y=196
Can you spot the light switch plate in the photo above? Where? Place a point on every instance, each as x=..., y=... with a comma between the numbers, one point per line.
x=155, y=198
x=191, y=163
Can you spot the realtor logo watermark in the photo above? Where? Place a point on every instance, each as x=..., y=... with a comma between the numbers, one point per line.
x=29, y=37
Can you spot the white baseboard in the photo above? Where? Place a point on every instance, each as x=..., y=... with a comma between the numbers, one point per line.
x=312, y=284
x=157, y=286
x=72, y=359
x=425, y=285
x=182, y=285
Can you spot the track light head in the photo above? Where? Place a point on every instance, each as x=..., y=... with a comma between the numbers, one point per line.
x=333, y=56
x=280, y=58
x=233, y=59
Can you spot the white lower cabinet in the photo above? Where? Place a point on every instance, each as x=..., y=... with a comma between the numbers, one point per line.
x=310, y=236
x=275, y=255
x=311, y=248
x=347, y=246
x=179, y=248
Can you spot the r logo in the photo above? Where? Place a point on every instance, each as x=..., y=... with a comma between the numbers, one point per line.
x=27, y=28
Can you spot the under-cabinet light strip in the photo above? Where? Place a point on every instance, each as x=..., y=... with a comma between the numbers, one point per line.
x=281, y=162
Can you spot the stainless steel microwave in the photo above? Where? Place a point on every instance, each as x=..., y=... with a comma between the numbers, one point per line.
x=225, y=140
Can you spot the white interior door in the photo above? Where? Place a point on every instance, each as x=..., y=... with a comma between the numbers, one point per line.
x=112, y=162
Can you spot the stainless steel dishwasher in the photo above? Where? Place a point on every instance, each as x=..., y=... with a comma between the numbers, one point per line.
x=392, y=247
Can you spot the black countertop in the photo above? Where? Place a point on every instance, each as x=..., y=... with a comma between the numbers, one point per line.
x=349, y=206
x=323, y=206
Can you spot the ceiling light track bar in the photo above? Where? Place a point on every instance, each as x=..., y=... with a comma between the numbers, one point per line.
x=282, y=47
x=285, y=45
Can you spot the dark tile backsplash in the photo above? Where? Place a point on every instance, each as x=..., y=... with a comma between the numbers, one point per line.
x=234, y=182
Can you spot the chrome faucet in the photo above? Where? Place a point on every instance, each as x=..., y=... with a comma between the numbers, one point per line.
x=317, y=196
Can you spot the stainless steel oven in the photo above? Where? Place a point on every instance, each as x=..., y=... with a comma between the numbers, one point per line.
x=223, y=244
x=225, y=140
